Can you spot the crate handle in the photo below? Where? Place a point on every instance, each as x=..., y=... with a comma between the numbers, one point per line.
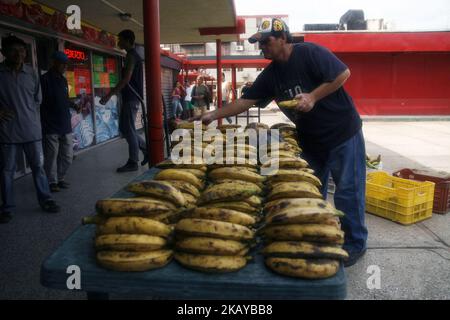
x=421, y=193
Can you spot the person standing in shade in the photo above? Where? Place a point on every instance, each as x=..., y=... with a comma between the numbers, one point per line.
x=131, y=87
x=20, y=126
x=328, y=125
x=56, y=123
x=226, y=91
x=200, y=94
x=188, y=107
x=177, y=93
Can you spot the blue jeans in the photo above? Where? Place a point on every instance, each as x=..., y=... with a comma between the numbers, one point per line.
x=176, y=105
x=35, y=157
x=347, y=166
x=127, y=127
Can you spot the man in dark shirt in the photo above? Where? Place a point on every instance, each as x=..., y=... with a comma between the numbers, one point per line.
x=56, y=123
x=20, y=126
x=328, y=125
x=131, y=87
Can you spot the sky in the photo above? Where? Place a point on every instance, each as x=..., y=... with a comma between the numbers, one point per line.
x=403, y=15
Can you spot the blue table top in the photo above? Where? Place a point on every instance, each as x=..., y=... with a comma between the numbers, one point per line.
x=255, y=281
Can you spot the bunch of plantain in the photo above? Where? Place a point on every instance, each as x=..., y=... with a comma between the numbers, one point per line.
x=213, y=240
x=129, y=240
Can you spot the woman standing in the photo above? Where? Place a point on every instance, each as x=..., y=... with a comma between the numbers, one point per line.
x=176, y=100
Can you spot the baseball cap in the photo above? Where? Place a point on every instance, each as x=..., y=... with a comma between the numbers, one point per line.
x=60, y=56
x=269, y=27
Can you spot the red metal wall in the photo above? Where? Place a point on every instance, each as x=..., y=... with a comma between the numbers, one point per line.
x=405, y=83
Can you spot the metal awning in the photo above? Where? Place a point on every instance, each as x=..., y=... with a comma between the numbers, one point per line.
x=180, y=20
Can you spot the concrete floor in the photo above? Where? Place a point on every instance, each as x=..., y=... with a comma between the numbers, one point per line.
x=414, y=261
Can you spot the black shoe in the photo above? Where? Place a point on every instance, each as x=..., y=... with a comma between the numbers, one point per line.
x=5, y=217
x=145, y=160
x=63, y=185
x=54, y=187
x=130, y=166
x=50, y=206
x=354, y=257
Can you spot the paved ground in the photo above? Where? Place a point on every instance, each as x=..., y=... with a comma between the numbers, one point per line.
x=414, y=261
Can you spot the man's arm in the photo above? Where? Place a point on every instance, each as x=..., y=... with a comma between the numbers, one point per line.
x=236, y=107
x=129, y=67
x=308, y=100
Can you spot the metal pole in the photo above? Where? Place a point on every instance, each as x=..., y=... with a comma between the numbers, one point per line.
x=219, y=76
x=153, y=80
x=233, y=81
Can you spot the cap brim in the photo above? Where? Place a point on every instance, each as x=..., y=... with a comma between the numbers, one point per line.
x=258, y=37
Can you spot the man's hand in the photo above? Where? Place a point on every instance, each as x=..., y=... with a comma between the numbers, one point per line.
x=6, y=115
x=306, y=102
x=105, y=99
x=206, y=118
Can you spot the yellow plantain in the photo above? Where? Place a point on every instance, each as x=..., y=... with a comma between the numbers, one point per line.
x=288, y=104
x=301, y=189
x=308, y=215
x=277, y=205
x=169, y=164
x=213, y=229
x=211, y=246
x=285, y=163
x=293, y=176
x=159, y=189
x=133, y=206
x=305, y=232
x=257, y=186
x=236, y=173
x=133, y=261
x=226, y=215
x=129, y=225
x=210, y=263
x=129, y=242
x=179, y=174
x=185, y=187
x=226, y=192
x=234, y=205
x=304, y=250
x=304, y=268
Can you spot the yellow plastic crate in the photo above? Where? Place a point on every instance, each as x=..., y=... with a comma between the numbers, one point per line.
x=400, y=200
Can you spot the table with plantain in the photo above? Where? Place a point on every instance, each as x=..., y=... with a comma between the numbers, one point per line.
x=233, y=232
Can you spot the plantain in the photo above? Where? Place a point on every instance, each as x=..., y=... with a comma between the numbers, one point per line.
x=258, y=186
x=213, y=229
x=185, y=187
x=196, y=172
x=210, y=263
x=288, y=104
x=236, y=173
x=293, y=176
x=234, y=205
x=226, y=215
x=303, y=216
x=191, y=201
x=281, y=125
x=179, y=174
x=285, y=163
x=211, y=246
x=133, y=206
x=133, y=261
x=304, y=250
x=159, y=189
x=277, y=205
x=129, y=242
x=305, y=232
x=129, y=225
x=299, y=189
x=303, y=268
x=254, y=201
x=169, y=164
x=226, y=192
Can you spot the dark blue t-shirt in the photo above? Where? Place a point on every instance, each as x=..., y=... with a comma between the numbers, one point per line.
x=55, y=107
x=137, y=79
x=334, y=119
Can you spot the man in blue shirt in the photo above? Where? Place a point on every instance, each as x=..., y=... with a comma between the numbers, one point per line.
x=56, y=123
x=328, y=125
x=131, y=87
x=20, y=126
